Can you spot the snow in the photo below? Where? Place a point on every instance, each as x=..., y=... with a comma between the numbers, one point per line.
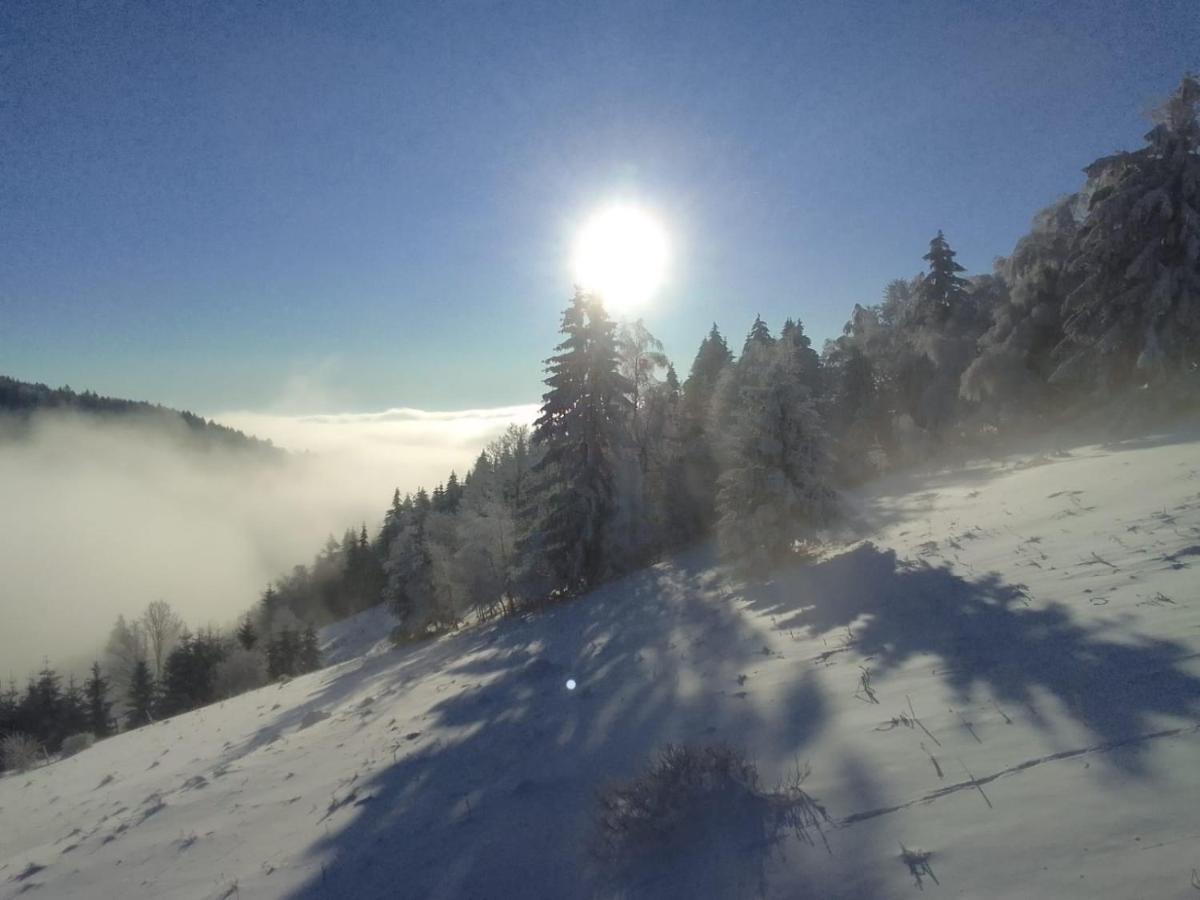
x=995, y=680
x=364, y=634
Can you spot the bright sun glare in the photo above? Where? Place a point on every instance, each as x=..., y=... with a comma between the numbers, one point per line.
x=621, y=254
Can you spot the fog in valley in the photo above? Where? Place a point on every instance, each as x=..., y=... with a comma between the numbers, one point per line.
x=100, y=517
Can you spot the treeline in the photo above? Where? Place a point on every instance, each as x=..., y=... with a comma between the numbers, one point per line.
x=19, y=400
x=154, y=667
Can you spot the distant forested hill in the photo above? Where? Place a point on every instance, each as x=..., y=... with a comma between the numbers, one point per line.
x=19, y=400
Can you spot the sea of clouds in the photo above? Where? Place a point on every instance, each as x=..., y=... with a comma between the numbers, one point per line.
x=99, y=517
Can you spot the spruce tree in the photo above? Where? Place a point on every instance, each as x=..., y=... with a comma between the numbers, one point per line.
x=695, y=475
x=453, y=494
x=808, y=362
x=42, y=707
x=582, y=431
x=1015, y=358
x=178, y=679
x=269, y=606
x=309, y=653
x=409, y=568
x=391, y=525
x=99, y=708
x=941, y=332
x=942, y=287
x=141, y=699
x=712, y=357
x=1136, y=310
x=759, y=334
x=73, y=714
x=247, y=634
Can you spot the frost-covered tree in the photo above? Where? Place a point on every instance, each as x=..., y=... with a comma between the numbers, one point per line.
x=162, y=627
x=695, y=494
x=670, y=508
x=759, y=334
x=490, y=526
x=640, y=358
x=942, y=287
x=775, y=473
x=407, y=567
x=851, y=403
x=126, y=647
x=808, y=361
x=583, y=431
x=1014, y=361
x=944, y=323
x=1136, y=310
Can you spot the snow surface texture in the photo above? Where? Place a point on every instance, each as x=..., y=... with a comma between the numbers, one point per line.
x=998, y=693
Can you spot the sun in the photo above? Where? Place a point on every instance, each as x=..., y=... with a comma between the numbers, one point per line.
x=621, y=254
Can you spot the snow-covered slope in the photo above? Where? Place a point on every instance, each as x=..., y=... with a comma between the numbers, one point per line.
x=1005, y=674
x=364, y=634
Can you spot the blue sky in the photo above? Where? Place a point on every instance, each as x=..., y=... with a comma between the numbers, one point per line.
x=346, y=207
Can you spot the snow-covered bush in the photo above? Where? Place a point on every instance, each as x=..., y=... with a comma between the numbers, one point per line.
x=76, y=743
x=242, y=670
x=690, y=798
x=19, y=752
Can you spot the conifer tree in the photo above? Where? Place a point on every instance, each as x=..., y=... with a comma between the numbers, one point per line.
x=282, y=654
x=1137, y=308
x=177, y=681
x=694, y=497
x=409, y=568
x=759, y=334
x=808, y=362
x=391, y=525
x=73, y=713
x=712, y=357
x=1015, y=358
x=42, y=706
x=582, y=431
x=309, y=652
x=453, y=494
x=141, y=698
x=269, y=606
x=944, y=324
x=639, y=358
x=247, y=634
x=942, y=287
x=99, y=708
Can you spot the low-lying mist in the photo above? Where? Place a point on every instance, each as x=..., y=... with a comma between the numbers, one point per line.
x=99, y=517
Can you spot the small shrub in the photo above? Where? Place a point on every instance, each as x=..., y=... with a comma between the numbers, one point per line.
x=77, y=743
x=20, y=752
x=690, y=797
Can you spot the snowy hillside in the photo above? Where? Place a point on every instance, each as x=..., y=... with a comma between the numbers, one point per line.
x=1001, y=670
x=363, y=634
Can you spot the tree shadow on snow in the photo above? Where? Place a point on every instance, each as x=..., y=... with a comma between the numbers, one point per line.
x=989, y=635
x=497, y=797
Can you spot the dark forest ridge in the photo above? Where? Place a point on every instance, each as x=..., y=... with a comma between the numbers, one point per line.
x=21, y=399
